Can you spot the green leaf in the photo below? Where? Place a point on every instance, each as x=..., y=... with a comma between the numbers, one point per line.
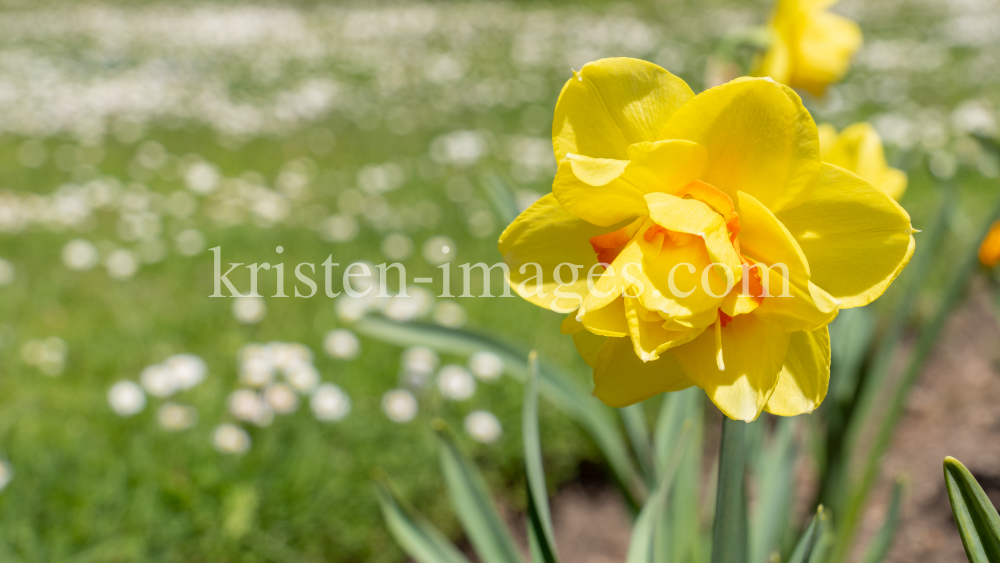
x=499, y=194
x=642, y=546
x=681, y=538
x=976, y=517
x=729, y=536
x=555, y=385
x=637, y=429
x=418, y=538
x=816, y=540
x=774, y=471
x=540, y=535
x=476, y=512
x=880, y=546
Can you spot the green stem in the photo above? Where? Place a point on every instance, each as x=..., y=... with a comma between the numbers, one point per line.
x=729, y=536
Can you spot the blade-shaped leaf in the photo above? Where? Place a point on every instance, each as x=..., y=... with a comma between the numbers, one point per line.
x=556, y=386
x=880, y=546
x=976, y=517
x=418, y=538
x=681, y=538
x=637, y=429
x=642, y=546
x=815, y=541
x=476, y=512
x=540, y=535
x=500, y=195
x=729, y=536
x=774, y=472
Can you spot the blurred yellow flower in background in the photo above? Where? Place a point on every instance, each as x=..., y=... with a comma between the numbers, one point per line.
x=810, y=47
x=858, y=148
x=989, y=250
x=656, y=178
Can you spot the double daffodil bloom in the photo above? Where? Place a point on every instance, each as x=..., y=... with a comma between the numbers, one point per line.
x=810, y=47
x=693, y=214
x=858, y=148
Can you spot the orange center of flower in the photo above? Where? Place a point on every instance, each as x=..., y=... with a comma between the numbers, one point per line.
x=609, y=246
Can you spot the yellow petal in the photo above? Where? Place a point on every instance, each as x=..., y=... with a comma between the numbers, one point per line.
x=753, y=352
x=826, y=45
x=586, y=342
x=546, y=235
x=622, y=379
x=608, y=320
x=590, y=189
x=665, y=166
x=765, y=240
x=685, y=301
x=613, y=103
x=694, y=217
x=805, y=377
x=855, y=238
x=759, y=137
x=649, y=336
x=609, y=285
x=859, y=149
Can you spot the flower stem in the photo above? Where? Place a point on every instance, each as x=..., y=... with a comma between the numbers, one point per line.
x=729, y=535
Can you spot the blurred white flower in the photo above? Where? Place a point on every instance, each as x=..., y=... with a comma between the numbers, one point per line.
x=397, y=246
x=418, y=364
x=303, y=377
x=483, y=426
x=350, y=309
x=281, y=398
x=121, y=264
x=175, y=417
x=439, y=249
x=249, y=310
x=6, y=474
x=79, y=254
x=284, y=355
x=6, y=272
x=158, y=380
x=48, y=355
x=188, y=370
x=380, y=178
x=330, y=403
x=399, y=405
x=449, y=314
x=190, y=242
x=342, y=344
x=487, y=366
x=339, y=228
x=246, y=405
x=230, y=439
x=256, y=372
x=461, y=148
x=202, y=178
x=456, y=383
x=126, y=398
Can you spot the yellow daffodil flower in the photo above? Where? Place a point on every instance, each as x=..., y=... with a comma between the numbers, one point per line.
x=989, y=250
x=858, y=148
x=699, y=240
x=810, y=47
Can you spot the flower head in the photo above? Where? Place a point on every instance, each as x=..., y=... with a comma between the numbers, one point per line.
x=810, y=47
x=858, y=148
x=699, y=240
x=989, y=250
